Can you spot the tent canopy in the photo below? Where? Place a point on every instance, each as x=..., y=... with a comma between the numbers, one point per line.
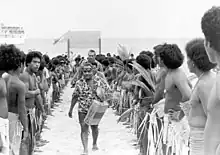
x=81, y=39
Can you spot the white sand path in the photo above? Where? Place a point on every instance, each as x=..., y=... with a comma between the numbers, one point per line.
x=61, y=135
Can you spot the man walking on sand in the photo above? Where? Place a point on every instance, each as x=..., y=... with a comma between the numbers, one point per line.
x=84, y=93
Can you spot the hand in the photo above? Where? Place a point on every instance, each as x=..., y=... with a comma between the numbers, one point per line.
x=174, y=115
x=25, y=135
x=44, y=115
x=70, y=114
x=37, y=92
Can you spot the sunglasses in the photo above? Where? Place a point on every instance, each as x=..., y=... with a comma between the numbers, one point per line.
x=87, y=71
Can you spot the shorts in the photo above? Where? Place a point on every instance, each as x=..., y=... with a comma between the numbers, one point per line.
x=82, y=116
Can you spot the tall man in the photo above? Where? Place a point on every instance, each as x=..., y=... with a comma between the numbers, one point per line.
x=16, y=97
x=211, y=30
x=84, y=93
x=32, y=96
x=4, y=131
x=177, y=87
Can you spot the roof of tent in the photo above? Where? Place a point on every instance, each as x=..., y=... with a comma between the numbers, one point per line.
x=81, y=39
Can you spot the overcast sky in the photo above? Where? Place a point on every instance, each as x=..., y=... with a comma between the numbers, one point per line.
x=115, y=18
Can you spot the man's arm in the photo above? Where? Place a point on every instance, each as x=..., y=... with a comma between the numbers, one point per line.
x=29, y=94
x=180, y=80
x=75, y=95
x=159, y=94
x=21, y=106
x=73, y=103
x=38, y=99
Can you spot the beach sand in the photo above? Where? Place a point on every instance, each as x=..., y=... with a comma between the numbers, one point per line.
x=61, y=134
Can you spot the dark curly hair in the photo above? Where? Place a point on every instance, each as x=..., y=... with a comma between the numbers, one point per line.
x=144, y=60
x=42, y=65
x=46, y=58
x=10, y=58
x=23, y=57
x=195, y=50
x=31, y=55
x=151, y=55
x=211, y=27
x=171, y=56
x=55, y=61
x=106, y=62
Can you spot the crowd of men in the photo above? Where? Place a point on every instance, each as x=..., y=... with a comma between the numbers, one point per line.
x=152, y=78
x=30, y=85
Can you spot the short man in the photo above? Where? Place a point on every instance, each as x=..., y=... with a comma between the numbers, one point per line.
x=32, y=96
x=84, y=93
x=4, y=129
x=16, y=97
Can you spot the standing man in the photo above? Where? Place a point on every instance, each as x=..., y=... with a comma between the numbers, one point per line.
x=90, y=59
x=32, y=96
x=211, y=30
x=16, y=97
x=4, y=129
x=84, y=93
x=177, y=87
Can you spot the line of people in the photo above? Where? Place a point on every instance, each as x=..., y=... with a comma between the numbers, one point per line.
x=153, y=94
x=30, y=85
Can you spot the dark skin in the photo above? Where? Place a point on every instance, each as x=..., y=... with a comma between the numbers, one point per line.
x=16, y=90
x=87, y=74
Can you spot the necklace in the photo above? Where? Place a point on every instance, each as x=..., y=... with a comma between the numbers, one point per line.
x=199, y=78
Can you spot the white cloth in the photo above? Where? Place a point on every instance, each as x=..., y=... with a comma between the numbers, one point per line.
x=15, y=133
x=176, y=135
x=196, y=141
x=47, y=73
x=4, y=136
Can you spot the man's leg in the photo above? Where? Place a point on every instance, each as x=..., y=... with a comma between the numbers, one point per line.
x=95, y=134
x=84, y=133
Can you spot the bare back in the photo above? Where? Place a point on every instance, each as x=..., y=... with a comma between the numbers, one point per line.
x=199, y=100
x=3, y=99
x=212, y=129
x=177, y=87
x=14, y=87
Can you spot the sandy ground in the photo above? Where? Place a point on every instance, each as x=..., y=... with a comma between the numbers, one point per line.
x=61, y=134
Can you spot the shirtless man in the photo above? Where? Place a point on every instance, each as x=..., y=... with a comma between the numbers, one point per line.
x=16, y=97
x=211, y=30
x=177, y=86
x=4, y=129
x=32, y=96
x=199, y=64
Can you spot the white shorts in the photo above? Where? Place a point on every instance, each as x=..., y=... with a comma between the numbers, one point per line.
x=4, y=136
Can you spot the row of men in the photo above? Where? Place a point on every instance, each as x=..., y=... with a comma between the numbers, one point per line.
x=202, y=57
x=25, y=97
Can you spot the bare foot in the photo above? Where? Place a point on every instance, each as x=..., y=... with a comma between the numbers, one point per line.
x=85, y=152
x=95, y=148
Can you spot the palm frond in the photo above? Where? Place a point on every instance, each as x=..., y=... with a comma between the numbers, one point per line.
x=146, y=75
x=137, y=83
x=123, y=52
x=125, y=114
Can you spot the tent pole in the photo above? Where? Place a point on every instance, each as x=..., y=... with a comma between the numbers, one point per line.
x=100, y=46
